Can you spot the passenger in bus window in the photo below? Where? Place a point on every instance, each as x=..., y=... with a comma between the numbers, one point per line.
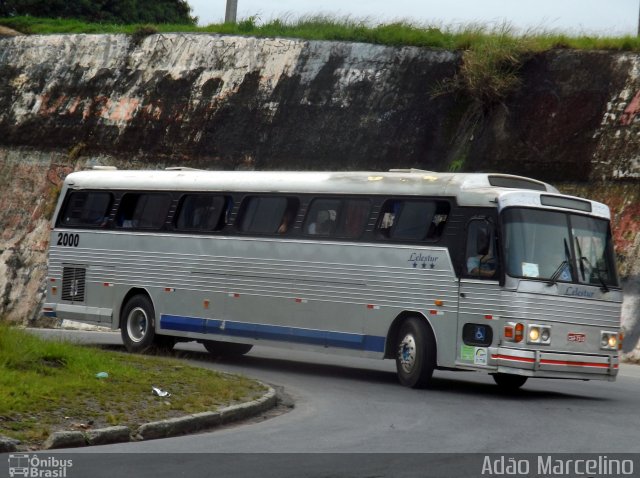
x=287, y=220
x=324, y=224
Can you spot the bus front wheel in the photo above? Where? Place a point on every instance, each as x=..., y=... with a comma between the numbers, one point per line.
x=415, y=353
x=138, y=324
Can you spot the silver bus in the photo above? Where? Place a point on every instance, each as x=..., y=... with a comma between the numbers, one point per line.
x=488, y=272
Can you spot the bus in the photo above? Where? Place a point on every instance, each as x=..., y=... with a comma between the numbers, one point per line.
x=454, y=271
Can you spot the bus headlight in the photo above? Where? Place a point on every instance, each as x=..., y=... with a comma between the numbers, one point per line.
x=545, y=335
x=609, y=340
x=538, y=334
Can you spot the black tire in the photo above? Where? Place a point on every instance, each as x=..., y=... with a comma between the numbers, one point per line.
x=509, y=382
x=415, y=353
x=137, y=324
x=226, y=349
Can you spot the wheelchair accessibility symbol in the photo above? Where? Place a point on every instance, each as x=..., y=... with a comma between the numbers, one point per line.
x=480, y=334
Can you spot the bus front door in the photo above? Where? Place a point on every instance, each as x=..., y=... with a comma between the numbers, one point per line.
x=479, y=294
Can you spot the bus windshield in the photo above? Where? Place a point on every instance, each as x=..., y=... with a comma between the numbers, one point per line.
x=558, y=247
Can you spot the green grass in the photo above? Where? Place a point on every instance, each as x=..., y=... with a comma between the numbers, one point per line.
x=329, y=28
x=46, y=386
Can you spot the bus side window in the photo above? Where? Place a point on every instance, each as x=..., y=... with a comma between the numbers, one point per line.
x=335, y=217
x=143, y=210
x=201, y=212
x=353, y=218
x=387, y=218
x=86, y=209
x=322, y=216
x=439, y=220
x=266, y=214
x=412, y=220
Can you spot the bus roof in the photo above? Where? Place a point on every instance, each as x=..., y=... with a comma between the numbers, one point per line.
x=469, y=189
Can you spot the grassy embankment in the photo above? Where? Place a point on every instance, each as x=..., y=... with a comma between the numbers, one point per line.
x=328, y=28
x=47, y=386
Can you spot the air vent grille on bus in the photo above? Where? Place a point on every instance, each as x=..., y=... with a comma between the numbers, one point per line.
x=73, y=283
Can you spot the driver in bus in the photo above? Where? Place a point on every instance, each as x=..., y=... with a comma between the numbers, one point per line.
x=482, y=264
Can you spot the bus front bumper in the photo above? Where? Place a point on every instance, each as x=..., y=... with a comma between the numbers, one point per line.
x=77, y=312
x=538, y=363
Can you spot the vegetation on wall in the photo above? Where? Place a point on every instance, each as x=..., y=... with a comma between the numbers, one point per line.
x=316, y=28
x=490, y=67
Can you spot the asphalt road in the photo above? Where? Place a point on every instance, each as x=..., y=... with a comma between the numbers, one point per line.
x=354, y=419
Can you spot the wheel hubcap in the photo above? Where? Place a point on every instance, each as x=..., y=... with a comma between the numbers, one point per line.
x=407, y=353
x=137, y=324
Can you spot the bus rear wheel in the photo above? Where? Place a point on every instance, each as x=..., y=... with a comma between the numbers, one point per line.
x=226, y=349
x=415, y=353
x=138, y=325
x=509, y=382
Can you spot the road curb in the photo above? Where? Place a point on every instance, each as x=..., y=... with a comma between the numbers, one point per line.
x=205, y=420
x=8, y=444
x=164, y=428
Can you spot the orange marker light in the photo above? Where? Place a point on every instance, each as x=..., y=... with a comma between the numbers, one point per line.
x=620, y=339
x=438, y=302
x=508, y=332
x=519, y=332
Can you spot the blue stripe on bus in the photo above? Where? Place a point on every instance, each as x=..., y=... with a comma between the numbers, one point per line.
x=182, y=324
x=280, y=333
x=50, y=314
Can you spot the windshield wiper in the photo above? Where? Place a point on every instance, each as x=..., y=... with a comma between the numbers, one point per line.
x=582, y=260
x=604, y=287
x=556, y=275
x=563, y=266
x=579, y=249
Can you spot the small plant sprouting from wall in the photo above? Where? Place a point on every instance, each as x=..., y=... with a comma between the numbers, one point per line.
x=76, y=150
x=490, y=68
x=51, y=202
x=142, y=32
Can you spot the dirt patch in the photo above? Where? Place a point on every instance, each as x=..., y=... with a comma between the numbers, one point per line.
x=8, y=32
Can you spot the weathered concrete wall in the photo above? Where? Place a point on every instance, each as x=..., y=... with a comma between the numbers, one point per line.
x=67, y=101
x=223, y=100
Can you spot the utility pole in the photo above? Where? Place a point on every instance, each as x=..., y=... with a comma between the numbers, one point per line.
x=231, y=12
